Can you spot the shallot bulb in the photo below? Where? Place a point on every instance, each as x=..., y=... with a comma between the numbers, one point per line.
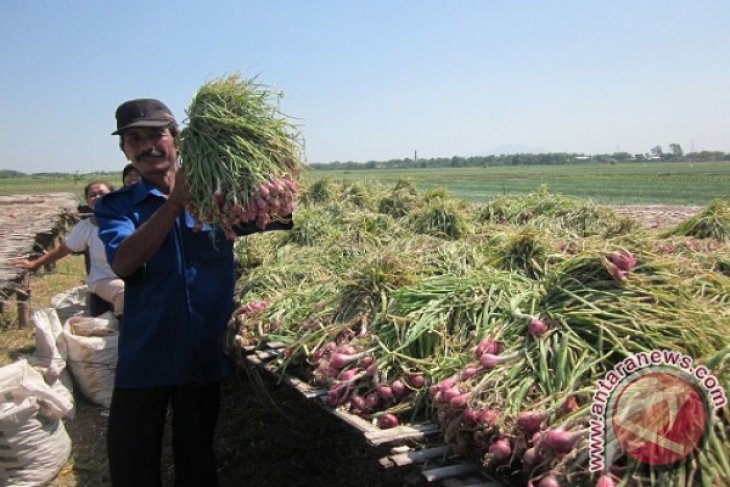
x=416, y=380
x=367, y=360
x=625, y=261
x=459, y=402
x=489, y=417
x=560, y=440
x=388, y=420
x=372, y=401
x=371, y=369
x=350, y=374
x=490, y=360
x=446, y=384
x=605, y=480
x=617, y=274
x=487, y=345
x=500, y=449
x=337, y=394
x=341, y=360
x=569, y=405
x=549, y=481
x=536, y=327
x=399, y=389
x=531, y=457
x=471, y=416
x=451, y=393
x=263, y=190
x=385, y=392
x=357, y=402
x=531, y=421
x=469, y=372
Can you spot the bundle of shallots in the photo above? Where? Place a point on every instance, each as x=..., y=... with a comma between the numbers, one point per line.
x=241, y=154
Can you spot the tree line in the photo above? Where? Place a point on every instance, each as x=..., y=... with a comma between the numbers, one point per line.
x=551, y=158
x=9, y=173
x=656, y=153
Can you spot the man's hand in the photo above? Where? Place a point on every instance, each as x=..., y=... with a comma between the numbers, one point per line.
x=180, y=195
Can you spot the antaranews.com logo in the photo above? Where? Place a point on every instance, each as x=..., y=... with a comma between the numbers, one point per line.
x=656, y=407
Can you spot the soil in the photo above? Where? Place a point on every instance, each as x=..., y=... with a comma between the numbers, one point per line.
x=294, y=443
x=279, y=438
x=658, y=217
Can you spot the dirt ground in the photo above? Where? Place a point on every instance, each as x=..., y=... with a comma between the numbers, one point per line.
x=258, y=445
x=301, y=445
x=658, y=217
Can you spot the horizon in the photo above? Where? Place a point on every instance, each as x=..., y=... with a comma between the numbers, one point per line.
x=374, y=80
x=600, y=160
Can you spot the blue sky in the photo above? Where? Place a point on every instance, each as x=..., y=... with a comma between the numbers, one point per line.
x=375, y=79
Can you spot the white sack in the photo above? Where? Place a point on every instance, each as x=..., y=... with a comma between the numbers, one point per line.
x=71, y=303
x=33, y=439
x=91, y=344
x=50, y=345
x=49, y=357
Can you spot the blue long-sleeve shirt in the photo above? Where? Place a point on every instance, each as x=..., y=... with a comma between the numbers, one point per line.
x=177, y=305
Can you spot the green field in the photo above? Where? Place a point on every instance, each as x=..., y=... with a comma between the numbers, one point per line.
x=60, y=184
x=678, y=183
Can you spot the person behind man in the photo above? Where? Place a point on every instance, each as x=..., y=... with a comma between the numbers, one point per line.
x=130, y=175
x=100, y=279
x=179, y=294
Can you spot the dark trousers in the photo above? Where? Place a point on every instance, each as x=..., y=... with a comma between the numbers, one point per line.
x=136, y=425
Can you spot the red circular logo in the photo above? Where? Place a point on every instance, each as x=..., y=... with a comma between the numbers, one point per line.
x=659, y=418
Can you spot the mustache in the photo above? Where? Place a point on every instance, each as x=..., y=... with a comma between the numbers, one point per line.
x=150, y=153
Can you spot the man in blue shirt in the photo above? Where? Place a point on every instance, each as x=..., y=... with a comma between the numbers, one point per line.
x=178, y=298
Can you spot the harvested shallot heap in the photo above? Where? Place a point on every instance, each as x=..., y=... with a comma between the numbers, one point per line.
x=241, y=154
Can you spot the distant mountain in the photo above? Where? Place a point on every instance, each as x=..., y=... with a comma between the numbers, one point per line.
x=516, y=149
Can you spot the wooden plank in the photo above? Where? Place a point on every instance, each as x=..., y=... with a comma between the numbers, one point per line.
x=22, y=296
x=417, y=456
x=469, y=482
x=260, y=360
x=440, y=473
x=355, y=420
x=302, y=387
x=253, y=359
x=472, y=482
x=451, y=482
x=417, y=431
x=266, y=355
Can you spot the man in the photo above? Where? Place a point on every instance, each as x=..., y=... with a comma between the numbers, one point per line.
x=179, y=296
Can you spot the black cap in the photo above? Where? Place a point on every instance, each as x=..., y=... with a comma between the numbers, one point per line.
x=143, y=112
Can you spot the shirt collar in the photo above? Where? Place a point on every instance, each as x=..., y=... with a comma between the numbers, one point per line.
x=142, y=189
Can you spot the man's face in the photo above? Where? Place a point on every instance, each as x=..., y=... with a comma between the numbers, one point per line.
x=151, y=150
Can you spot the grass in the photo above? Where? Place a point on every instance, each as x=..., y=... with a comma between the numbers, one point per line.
x=57, y=184
x=68, y=273
x=676, y=183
